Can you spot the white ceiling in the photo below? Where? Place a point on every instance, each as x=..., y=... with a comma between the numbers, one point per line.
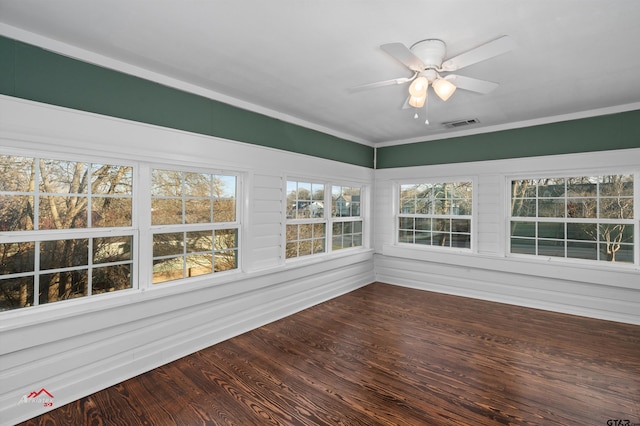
x=296, y=59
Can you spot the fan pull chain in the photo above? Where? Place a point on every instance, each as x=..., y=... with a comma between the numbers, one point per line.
x=426, y=111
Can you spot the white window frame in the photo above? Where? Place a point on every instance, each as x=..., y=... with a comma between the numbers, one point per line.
x=39, y=236
x=326, y=218
x=140, y=230
x=346, y=219
x=194, y=227
x=397, y=215
x=599, y=172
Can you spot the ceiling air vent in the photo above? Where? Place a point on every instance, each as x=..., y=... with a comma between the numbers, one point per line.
x=460, y=123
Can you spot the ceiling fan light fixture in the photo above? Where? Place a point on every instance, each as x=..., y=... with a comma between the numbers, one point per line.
x=443, y=88
x=419, y=86
x=418, y=101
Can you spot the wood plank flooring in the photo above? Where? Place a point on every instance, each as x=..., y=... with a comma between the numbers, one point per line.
x=386, y=355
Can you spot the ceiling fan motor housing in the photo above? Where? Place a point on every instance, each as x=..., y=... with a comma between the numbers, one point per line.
x=431, y=52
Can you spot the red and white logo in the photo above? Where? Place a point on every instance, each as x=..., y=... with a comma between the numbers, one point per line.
x=42, y=396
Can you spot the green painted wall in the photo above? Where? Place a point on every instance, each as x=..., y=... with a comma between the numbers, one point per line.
x=33, y=73
x=615, y=131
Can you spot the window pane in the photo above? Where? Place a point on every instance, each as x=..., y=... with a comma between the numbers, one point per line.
x=407, y=205
x=199, y=241
x=551, y=187
x=168, y=269
x=407, y=223
x=224, y=203
x=405, y=236
x=291, y=249
x=585, y=186
x=62, y=286
x=582, y=231
x=582, y=250
x=336, y=242
x=110, y=179
x=551, y=208
x=461, y=225
x=224, y=210
x=197, y=184
x=523, y=246
x=16, y=293
x=168, y=244
x=304, y=248
x=442, y=225
x=551, y=230
x=197, y=210
x=622, y=253
x=110, y=212
x=18, y=173
x=461, y=240
x=582, y=207
x=442, y=207
x=112, y=249
x=200, y=264
x=616, y=233
x=166, y=183
x=166, y=211
x=345, y=201
x=16, y=212
x=318, y=230
x=226, y=239
x=616, y=208
x=63, y=177
x=17, y=257
x=523, y=229
x=422, y=238
x=523, y=207
x=523, y=188
x=225, y=260
x=616, y=186
x=63, y=212
x=441, y=239
x=64, y=253
x=111, y=278
x=551, y=248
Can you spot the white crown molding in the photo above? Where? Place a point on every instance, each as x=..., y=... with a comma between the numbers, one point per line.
x=518, y=125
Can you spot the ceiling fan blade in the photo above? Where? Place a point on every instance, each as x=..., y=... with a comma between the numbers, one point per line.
x=472, y=84
x=379, y=84
x=481, y=53
x=402, y=54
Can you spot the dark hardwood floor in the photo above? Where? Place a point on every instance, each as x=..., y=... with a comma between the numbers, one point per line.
x=386, y=355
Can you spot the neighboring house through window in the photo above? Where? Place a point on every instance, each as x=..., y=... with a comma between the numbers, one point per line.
x=310, y=226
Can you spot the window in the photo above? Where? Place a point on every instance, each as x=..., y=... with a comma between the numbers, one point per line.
x=346, y=228
x=194, y=224
x=67, y=230
x=584, y=217
x=436, y=214
x=310, y=226
x=306, y=224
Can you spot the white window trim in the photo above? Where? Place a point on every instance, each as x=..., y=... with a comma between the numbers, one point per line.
x=564, y=173
x=327, y=219
x=150, y=230
x=141, y=230
x=473, y=246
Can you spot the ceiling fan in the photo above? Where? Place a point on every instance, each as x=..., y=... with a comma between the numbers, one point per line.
x=426, y=59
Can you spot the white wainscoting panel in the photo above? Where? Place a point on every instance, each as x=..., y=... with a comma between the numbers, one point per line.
x=610, y=292
x=74, y=348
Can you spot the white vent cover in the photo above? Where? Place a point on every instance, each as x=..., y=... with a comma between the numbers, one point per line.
x=460, y=123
